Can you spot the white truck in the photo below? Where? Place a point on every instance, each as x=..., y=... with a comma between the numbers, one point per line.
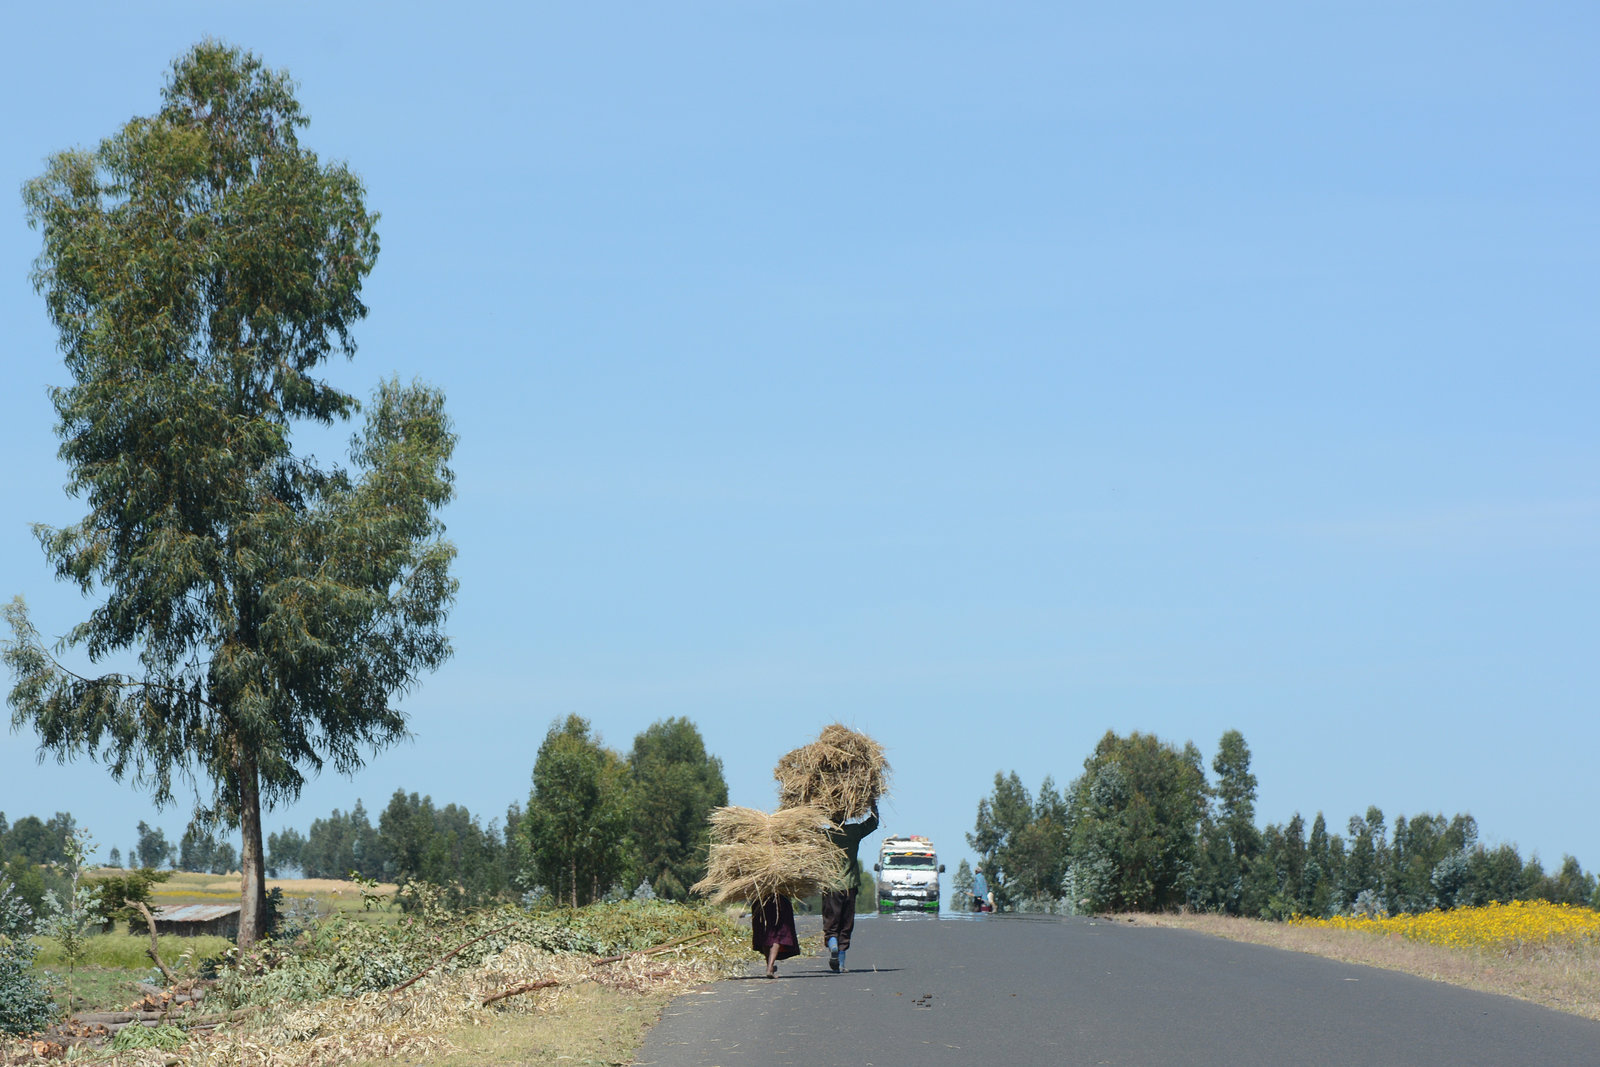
x=908, y=872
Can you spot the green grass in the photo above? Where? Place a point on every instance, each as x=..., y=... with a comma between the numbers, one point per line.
x=183, y=887
x=112, y=964
x=128, y=952
x=92, y=988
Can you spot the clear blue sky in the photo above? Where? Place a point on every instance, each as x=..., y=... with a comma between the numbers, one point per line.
x=982, y=377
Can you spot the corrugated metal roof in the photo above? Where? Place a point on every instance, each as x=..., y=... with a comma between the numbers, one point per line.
x=193, y=913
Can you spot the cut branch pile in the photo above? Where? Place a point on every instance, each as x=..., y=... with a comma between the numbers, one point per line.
x=755, y=856
x=842, y=772
x=413, y=1024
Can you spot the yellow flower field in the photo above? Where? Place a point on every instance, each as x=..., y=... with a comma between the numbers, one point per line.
x=1493, y=926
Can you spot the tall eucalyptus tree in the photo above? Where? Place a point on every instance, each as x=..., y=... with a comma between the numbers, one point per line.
x=199, y=266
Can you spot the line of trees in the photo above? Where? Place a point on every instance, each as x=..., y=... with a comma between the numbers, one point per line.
x=596, y=819
x=31, y=850
x=414, y=840
x=596, y=822
x=1144, y=828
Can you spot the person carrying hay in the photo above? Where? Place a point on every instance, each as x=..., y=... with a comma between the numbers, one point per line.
x=765, y=859
x=772, y=931
x=839, y=905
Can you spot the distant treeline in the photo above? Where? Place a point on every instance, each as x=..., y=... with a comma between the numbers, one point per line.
x=595, y=822
x=1143, y=828
x=32, y=851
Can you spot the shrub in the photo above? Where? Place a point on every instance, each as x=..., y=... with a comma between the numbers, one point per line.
x=119, y=893
x=25, y=1004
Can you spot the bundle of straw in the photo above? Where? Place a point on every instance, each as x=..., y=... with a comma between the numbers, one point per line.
x=842, y=772
x=756, y=856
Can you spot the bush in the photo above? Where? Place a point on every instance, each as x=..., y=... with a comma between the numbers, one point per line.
x=118, y=894
x=25, y=1004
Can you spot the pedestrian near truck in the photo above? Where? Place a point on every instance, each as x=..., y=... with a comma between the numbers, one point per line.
x=839, y=905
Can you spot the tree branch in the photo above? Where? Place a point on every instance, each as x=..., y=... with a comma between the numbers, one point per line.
x=448, y=956
x=657, y=948
x=150, y=921
x=526, y=987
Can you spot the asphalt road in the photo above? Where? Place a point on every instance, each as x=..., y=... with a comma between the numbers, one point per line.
x=1001, y=990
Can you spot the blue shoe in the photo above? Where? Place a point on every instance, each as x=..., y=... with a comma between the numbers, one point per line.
x=841, y=968
x=833, y=953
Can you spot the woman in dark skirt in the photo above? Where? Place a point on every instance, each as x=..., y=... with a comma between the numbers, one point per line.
x=772, y=932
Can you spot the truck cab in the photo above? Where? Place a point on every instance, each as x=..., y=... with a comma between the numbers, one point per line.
x=908, y=870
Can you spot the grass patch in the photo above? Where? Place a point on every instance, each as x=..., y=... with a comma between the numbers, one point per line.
x=128, y=951
x=1563, y=976
x=105, y=977
x=92, y=988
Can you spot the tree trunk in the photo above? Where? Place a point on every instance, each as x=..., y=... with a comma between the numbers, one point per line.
x=252, y=872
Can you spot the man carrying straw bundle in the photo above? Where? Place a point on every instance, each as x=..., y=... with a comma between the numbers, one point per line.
x=839, y=905
x=843, y=772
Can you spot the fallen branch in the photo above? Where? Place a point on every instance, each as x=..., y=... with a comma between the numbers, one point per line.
x=150, y=921
x=447, y=957
x=526, y=987
x=658, y=948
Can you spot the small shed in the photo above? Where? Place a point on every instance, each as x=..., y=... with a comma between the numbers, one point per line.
x=192, y=920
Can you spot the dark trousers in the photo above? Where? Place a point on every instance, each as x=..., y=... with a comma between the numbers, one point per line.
x=839, y=915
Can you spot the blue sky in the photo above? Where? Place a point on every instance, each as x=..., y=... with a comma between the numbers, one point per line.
x=982, y=379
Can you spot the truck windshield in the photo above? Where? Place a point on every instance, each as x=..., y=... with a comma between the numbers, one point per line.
x=908, y=861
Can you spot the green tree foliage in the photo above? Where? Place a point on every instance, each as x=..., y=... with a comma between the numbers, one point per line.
x=1143, y=829
x=118, y=894
x=25, y=1004
x=1366, y=858
x=72, y=915
x=515, y=852
x=444, y=847
x=199, y=266
x=201, y=851
x=1021, y=841
x=1229, y=841
x=1135, y=816
x=283, y=851
x=37, y=840
x=672, y=786
x=1324, y=859
x=1002, y=817
x=577, y=817
x=961, y=887
x=1571, y=884
x=27, y=880
x=1037, y=854
x=154, y=850
x=340, y=844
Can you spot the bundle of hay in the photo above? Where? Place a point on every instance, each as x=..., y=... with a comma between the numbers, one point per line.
x=756, y=856
x=842, y=772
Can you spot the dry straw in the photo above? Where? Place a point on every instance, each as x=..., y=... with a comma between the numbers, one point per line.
x=842, y=772
x=755, y=856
